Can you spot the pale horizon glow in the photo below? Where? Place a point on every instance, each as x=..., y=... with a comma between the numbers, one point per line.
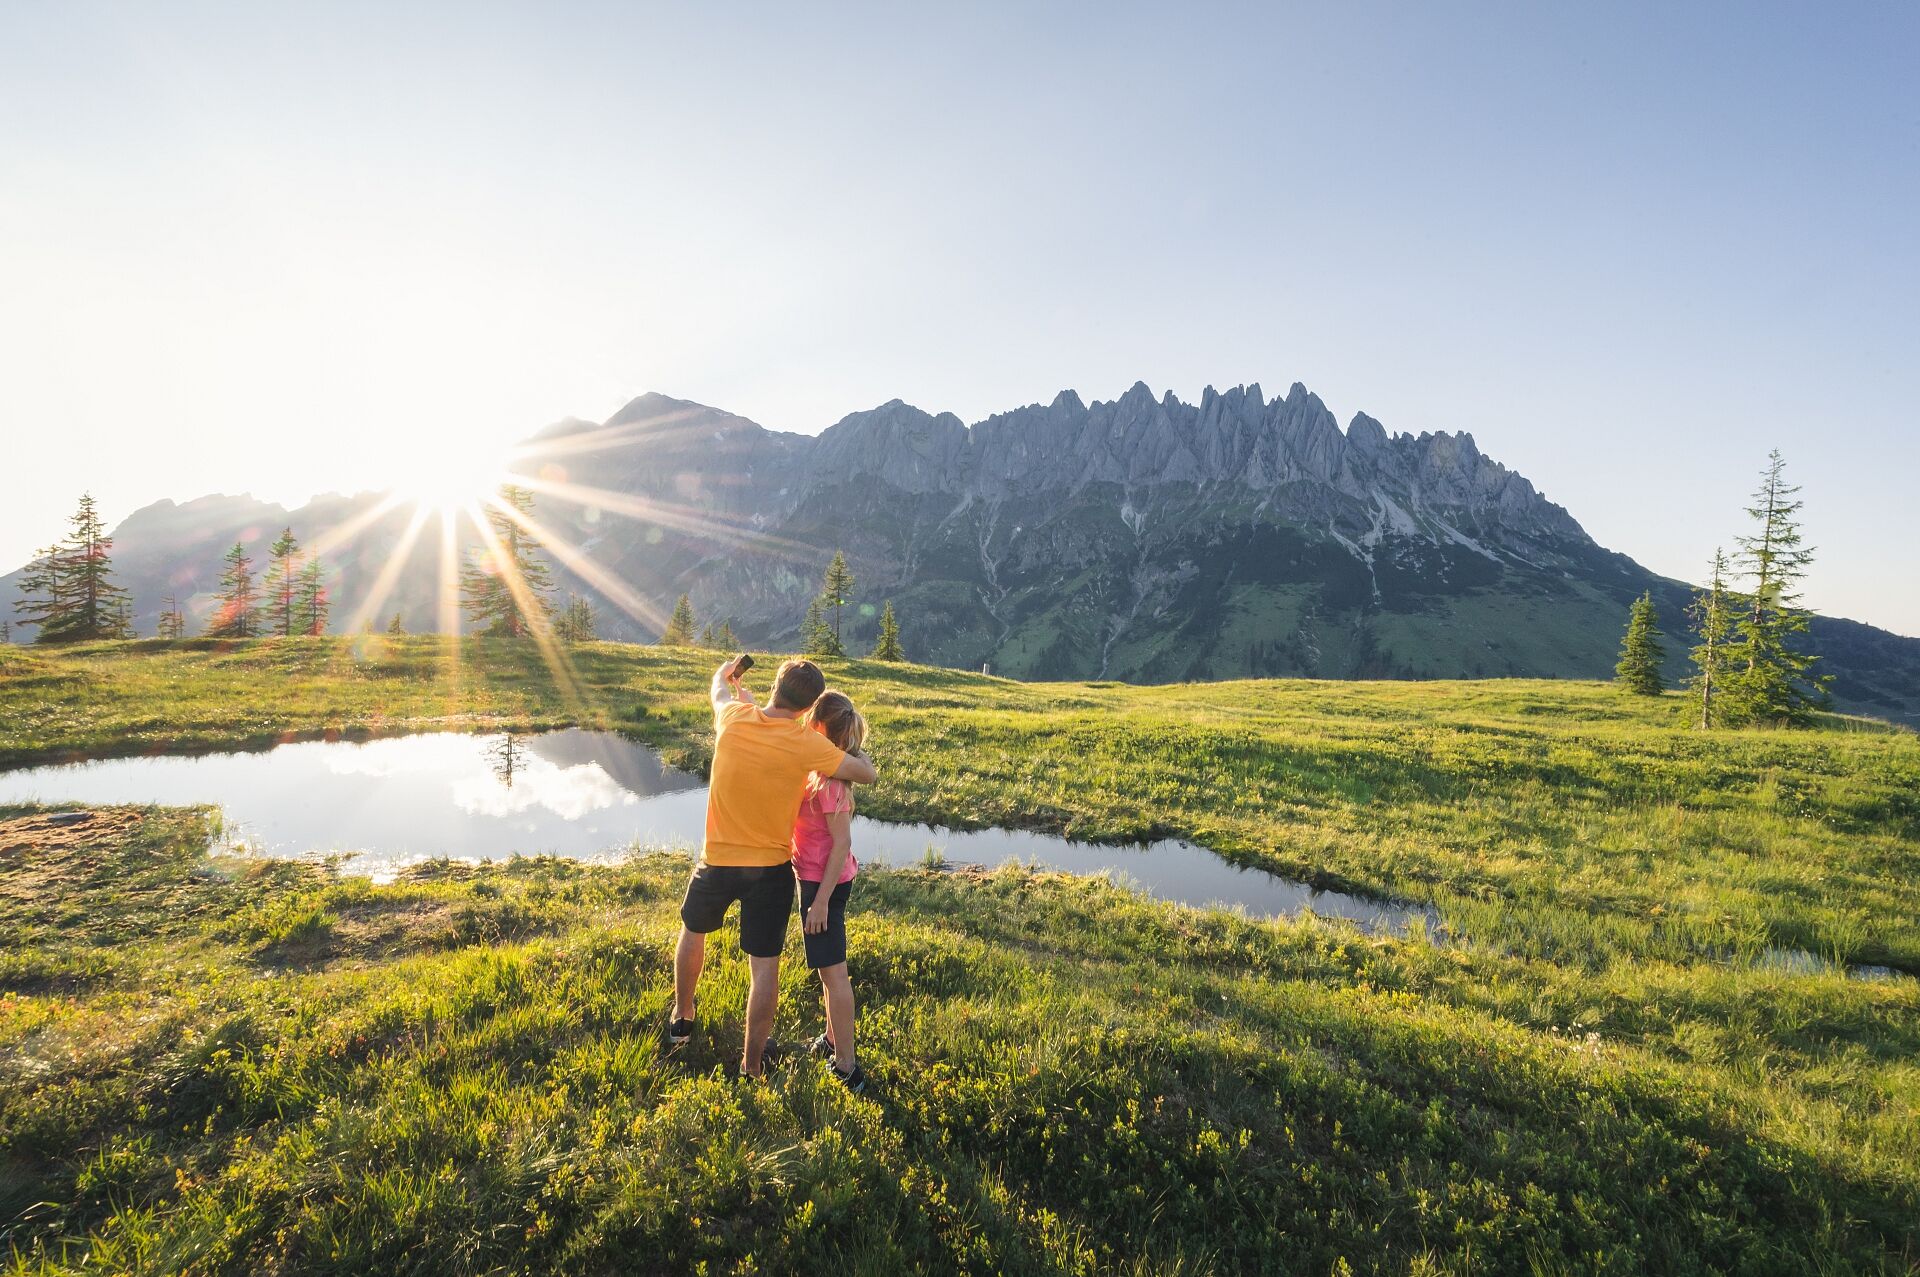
x=449, y=477
x=290, y=250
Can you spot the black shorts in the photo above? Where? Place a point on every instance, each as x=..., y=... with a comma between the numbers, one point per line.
x=765, y=893
x=829, y=948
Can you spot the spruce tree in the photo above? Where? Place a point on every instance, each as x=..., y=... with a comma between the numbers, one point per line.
x=123, y=619
x=238, y=615
x=43, y=600
x=173, y=624
x=816, y=636
x=576, y=621
x=97, y=600
x=1774, y=682
x=487, y=587
x=887, y=646
x=314, y=602
x=396, y=625
x=1640, y=652
x=283, y=584
x=723, y=638
x=708, y=638
x=679, y=631
x=1712, y=614
x=68, y=592
x=837, y=591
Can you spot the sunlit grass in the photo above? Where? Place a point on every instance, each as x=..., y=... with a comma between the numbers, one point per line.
x=234, y=1066
x=464, y=1071
x=1558, y=819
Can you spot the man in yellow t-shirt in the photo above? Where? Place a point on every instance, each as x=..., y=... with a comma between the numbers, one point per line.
x=761, y=761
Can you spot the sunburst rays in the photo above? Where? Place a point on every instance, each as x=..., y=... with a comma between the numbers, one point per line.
x=389, y=572
x=447, y=600
x=657, y=430
x=576, y=561
x=558, y=662
x=490, y=514
x=669, y=515
x=347, y=529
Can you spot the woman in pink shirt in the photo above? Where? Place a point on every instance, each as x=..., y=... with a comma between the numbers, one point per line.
x=823, y=853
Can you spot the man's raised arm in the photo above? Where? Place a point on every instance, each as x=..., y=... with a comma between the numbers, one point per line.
x=857, y=769
x=726, y=686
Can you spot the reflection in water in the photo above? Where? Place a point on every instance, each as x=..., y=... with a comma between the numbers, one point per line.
x=505, y=755
x=589, y=796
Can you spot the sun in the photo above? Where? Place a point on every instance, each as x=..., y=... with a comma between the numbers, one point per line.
x=450, y=479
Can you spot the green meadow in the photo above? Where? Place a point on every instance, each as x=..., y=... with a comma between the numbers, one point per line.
x=214, y=1064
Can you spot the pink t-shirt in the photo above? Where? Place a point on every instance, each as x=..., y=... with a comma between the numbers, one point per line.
x=812, y=840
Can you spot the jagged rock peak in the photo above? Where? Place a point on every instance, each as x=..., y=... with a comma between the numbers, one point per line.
x=655, y=406
x=908, y=447
x=1364, y=432
x=1290, y=450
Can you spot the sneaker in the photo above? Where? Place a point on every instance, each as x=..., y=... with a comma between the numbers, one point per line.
x=821, y=1046
x=854, y=1080
x=680, y=1032
x=769, y=1056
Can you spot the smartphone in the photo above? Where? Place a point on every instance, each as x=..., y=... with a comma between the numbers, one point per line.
x=742, y=663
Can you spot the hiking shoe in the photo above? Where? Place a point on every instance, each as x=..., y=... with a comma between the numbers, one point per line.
x=855, y=1079
x=680, y=1032
x=821, y=1046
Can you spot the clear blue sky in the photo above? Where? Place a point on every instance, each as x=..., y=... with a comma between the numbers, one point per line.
x=280, y=249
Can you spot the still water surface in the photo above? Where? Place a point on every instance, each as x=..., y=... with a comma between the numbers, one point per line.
x=588, y=796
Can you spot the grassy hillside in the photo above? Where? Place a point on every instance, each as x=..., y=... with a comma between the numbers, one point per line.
x=228, y=1066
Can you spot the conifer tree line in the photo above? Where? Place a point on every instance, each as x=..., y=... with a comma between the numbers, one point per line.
x=173, y=622
x=822, y=631
x=1746, y=619
x=821, y=634
x=681, y=627
x=288, y=600
x=576, y=621
x=69, y=593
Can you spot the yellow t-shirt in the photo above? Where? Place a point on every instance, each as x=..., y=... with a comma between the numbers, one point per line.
x=760, y=767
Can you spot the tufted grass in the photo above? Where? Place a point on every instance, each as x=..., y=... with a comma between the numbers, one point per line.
x=214, y=1064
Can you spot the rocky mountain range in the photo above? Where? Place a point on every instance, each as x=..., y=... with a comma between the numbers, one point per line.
x=1140, y=539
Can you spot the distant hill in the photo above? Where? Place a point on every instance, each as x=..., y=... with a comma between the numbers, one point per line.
x=1143, y=539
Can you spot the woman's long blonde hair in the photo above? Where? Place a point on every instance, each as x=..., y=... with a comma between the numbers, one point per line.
x=843, y=724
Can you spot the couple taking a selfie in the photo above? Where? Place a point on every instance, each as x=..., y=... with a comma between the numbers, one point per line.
x=779, y=819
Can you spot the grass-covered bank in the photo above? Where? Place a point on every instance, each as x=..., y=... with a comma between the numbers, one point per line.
x=220, y=1065
x=1562, y=820
x=229, y=1066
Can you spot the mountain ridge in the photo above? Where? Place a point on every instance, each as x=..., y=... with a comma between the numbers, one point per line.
x=1141, y=537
